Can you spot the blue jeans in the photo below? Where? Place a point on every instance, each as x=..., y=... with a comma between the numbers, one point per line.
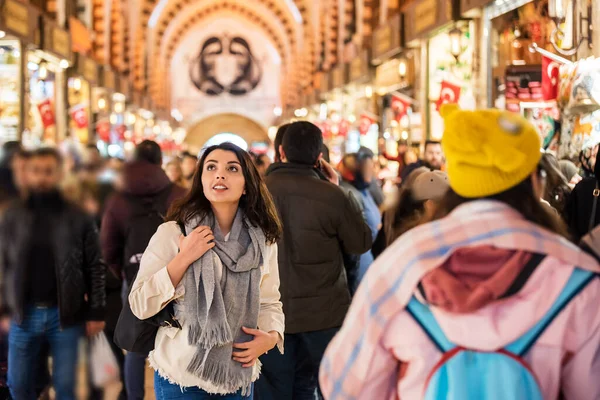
x=167, y=391
x=135, y=375
x=24, y=348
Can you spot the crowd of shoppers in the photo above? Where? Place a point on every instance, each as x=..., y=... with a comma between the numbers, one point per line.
x=274, y=271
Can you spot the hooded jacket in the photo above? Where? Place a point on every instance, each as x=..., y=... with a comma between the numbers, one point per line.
x=141, y=179
x=471, y=276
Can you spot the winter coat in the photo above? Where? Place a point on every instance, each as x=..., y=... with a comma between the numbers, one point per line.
x=319, y=222
x=472, y=277
x=579, y=208
x=79, y=266
x=141, y=179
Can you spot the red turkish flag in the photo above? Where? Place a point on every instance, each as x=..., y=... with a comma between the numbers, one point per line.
x=121, y=129
x=399, y=106
x=103, y=130
x=364, y=123
x=79, y=115
x=550, y=74
x=344, y=128
x=47, y=113
x=449, y=94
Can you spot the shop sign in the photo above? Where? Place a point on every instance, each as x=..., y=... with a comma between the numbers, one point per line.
x=424, y=16
x=386, y=39
x=87, y=68
x=56, y=40
x=337, y=77
x=109, y=79
x=387, y=73
x=468, y=5
x=81, y=38
x=19, y=19
x=359, y=67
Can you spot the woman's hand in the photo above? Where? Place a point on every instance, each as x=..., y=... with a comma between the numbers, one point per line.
x=191, y=248
x=197, y=243
x=250, y=351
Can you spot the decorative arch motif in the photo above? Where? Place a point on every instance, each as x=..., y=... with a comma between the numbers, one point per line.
x=160, y=76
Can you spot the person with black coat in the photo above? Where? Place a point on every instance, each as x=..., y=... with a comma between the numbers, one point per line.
x=582, y=207
x=53, y=279
x=319, y=223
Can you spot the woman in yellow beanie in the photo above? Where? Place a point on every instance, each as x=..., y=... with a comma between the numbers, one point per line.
x=473, y=285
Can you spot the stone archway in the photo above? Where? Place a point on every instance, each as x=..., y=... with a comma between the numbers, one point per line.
x=249, y=130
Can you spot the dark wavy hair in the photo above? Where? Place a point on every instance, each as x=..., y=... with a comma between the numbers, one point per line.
x=257, y=203
x=521, y=198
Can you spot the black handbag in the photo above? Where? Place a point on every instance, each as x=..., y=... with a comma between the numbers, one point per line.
x=136, y=335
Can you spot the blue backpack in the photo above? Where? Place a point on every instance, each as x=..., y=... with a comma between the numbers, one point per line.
x=466, y=374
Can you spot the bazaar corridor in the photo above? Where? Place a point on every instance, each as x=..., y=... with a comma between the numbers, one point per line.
x=299, y=199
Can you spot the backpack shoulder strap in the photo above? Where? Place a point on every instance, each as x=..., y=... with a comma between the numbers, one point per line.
x=576, y=283
x=422, y=314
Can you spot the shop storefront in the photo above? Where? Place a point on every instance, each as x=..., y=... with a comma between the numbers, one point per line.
x=102, y=105
x=83, y=77
x=526, y=40
x=46, y=121
x=361, y=104
x=18, y=26
x=447, y=54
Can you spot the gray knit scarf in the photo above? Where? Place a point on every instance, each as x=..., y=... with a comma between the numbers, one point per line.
x=215, y=310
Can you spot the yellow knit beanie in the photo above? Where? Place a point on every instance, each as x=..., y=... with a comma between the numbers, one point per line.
x=488, y=151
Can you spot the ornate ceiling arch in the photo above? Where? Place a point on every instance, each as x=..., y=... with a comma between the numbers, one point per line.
x=193, y=13
x=159, y=86
x=308, y=34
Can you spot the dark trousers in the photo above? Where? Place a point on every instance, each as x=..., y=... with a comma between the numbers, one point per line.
x=294, y=374
x=135, y=375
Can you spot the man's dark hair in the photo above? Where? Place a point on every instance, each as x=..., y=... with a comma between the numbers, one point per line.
x=364, y=153
x=279, y=140
x=148, y=151
x=9, y=149
x=48, y=152
x=302, y=143
x=432, y=142
x=187, y=154
x=92, y=146
x=259, y=159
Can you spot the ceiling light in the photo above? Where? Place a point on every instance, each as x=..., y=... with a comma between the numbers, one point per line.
x=277, y=111
x=2, y=34
x=64, y=64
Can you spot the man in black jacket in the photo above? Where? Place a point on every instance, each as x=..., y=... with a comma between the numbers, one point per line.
x=319, y=223
x=53, y=279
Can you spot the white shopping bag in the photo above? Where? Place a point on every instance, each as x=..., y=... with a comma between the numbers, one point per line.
x=103, y=364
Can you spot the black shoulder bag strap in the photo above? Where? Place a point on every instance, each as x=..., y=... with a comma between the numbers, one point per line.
x=596, y=193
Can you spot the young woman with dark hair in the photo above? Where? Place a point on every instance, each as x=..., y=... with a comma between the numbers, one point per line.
x=489, y=290
x=223, y=277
